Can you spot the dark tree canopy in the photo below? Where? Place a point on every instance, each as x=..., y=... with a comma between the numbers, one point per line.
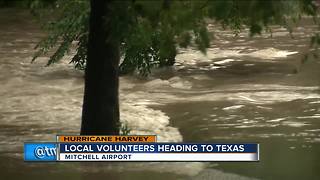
x=151, y=31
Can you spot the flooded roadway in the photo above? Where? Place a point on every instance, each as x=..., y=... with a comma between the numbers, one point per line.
x=243, y=90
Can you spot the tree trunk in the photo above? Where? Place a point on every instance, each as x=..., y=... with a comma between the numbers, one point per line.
x=100, y=113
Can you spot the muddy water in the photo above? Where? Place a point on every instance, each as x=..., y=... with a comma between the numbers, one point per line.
x=243, y=90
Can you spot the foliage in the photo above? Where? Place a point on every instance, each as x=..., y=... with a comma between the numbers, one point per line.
x=151, y=31
x=259, y=14
x=70, y=25
x=124, y=129
x=14, y=3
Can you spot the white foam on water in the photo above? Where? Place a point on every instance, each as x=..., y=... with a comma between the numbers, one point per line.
x=313, y=130
x=201, y=77
x=157, y=83
x=247, y=98
x=233, y=107
x=174, y=82
x=245, y=93
x=192, y=57
x=262, y=107
x=294, y=124
x=177, y=82
x=146, y=121
x=308, y=117
x=225, y=61
x=271, y=53
x=277, y=120
x=314, y=102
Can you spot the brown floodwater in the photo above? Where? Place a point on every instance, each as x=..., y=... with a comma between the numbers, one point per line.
x=244, y=90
